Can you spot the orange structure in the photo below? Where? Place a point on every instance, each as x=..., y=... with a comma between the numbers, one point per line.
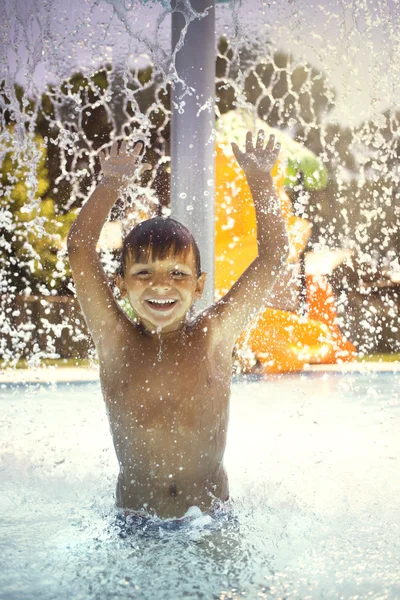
x=280, y=340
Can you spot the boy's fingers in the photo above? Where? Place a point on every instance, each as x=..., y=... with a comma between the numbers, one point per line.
x=271, y=142
x=260, y=139
x=138, y=147
x=236, y=151
x=249, y=142
x=122, y=148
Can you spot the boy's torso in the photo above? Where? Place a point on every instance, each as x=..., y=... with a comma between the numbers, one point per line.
x=168, y=405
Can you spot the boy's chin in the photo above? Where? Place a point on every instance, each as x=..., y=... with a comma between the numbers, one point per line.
x=156, y=320
x=163, y=323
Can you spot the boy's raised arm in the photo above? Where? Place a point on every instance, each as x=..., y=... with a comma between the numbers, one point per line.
x=101, y=311
x=251, y=291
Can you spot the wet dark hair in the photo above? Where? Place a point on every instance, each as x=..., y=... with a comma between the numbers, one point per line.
x=158, y=238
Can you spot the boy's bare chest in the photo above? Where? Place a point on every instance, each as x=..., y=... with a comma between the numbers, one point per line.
x=179, y=378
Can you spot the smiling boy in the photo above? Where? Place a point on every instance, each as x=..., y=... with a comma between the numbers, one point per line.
x=166, y=378
x=161, y=291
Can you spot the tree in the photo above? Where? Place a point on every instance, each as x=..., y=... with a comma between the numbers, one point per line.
x=33, y=233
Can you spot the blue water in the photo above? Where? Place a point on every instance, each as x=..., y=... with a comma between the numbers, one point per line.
x=313, y=462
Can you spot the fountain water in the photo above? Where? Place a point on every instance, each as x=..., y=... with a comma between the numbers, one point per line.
x=323, y=519
x=74, y=79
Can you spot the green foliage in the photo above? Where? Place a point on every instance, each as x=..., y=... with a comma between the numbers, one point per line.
x=314, y=173
x=35, y=235
x=127, y=308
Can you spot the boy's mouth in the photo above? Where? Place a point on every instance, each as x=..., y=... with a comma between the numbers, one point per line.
x=161, y=304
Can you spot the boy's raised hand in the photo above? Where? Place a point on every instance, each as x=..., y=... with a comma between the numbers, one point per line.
x=257, y=160
x=118, y=162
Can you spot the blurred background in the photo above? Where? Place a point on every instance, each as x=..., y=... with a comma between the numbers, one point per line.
x=324, y=74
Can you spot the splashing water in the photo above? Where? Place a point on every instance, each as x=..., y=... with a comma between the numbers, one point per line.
x=159, y=355
x=314, y=481
x=74, y=79
x=318, y=518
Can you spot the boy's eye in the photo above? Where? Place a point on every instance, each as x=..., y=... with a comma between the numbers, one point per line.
x=178, y=274
x=143, y=272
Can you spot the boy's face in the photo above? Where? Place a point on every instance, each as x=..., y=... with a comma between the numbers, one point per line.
x=161, y=292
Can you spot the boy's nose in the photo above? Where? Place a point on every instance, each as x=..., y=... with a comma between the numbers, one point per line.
x=160, y=282
x=160, y=286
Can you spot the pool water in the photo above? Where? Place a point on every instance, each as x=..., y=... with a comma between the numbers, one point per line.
x=313, y=461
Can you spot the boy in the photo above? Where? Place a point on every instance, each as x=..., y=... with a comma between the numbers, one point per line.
x=166, y=379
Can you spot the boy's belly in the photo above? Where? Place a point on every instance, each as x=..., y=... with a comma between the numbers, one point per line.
x=171, y=498
x=168, y=474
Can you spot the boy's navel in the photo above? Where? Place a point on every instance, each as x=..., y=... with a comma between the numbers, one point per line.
x=173, y=489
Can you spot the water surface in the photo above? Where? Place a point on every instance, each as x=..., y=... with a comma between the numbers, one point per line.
x=313, y=462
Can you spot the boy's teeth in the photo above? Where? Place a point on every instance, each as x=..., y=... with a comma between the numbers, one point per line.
x=162, y=301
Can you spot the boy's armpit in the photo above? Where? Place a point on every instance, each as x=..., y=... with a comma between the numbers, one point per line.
x=100, y=309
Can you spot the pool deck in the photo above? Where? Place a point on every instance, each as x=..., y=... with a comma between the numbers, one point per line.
x=90, y=374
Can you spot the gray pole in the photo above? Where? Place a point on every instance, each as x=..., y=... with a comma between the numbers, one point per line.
x=192, y=142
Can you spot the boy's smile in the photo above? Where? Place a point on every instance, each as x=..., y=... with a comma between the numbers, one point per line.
x=161, y=304
x=161, y=292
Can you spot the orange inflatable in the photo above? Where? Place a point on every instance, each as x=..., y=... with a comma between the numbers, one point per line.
x=280, y=340
x=322, y=308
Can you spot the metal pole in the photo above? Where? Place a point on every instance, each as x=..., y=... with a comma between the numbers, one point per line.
x=192, y=142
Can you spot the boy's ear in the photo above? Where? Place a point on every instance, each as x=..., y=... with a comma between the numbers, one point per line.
x=201, y=280
x=120, y=283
